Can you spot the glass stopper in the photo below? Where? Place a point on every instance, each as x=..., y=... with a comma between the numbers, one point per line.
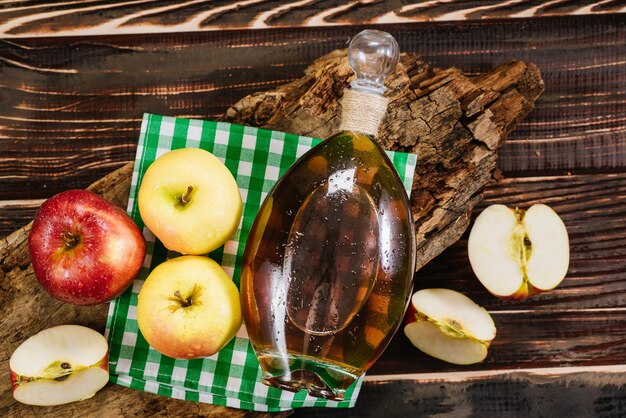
x=373, y=55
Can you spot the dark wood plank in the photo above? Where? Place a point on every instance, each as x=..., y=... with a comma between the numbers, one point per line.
x=516, y=395
x=525, y=341
x=71, y=106
x=97, y=17
x=593, y=208
x=16, y=213
x=69, y=114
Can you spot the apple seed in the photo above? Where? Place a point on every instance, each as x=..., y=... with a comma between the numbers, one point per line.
x=55, y=371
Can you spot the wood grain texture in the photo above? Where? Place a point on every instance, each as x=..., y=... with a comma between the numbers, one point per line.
x=593, y=208
x=71, y=108
x=580, y=395
x=96, y=17
x=16, y=213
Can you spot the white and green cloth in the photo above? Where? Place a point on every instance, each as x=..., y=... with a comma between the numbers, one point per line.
x=256, y=158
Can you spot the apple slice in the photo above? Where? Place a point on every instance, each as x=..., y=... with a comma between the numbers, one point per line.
x=59, y=365
x=516, y=253
x=449, y=326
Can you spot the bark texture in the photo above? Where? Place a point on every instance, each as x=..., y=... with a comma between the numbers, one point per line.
x=453, y=123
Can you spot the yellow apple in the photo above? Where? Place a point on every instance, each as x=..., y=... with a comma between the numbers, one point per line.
x=188, y=307
x=190, y=201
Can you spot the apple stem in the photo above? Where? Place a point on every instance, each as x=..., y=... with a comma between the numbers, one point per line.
x=184, y=302
x=70, y=239
x=186, y=198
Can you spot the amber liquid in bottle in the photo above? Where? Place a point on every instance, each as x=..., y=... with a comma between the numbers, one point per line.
x=328, y=266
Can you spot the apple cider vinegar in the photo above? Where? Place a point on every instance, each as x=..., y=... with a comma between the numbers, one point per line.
x=329, y=261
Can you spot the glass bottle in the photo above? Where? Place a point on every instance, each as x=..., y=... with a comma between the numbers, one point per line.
x=328, y=265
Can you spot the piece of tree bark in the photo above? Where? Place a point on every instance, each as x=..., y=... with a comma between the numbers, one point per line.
x=453, y=123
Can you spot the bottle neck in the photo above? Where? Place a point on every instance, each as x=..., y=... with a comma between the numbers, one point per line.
x=362, y=111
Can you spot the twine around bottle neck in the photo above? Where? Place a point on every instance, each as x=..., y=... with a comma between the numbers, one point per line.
x=362, y=112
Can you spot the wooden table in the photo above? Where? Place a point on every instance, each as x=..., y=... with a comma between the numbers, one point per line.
x=75, y=78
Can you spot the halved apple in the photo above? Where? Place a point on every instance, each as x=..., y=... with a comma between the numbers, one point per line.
x=59, y=365
x=516, y=253
x=449, y=326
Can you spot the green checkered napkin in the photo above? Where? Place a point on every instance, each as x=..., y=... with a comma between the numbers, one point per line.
x=257, y=158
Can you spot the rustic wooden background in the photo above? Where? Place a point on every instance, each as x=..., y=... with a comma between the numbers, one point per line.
x=76, y=76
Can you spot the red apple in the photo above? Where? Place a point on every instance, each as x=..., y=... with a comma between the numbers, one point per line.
x=84, y=249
